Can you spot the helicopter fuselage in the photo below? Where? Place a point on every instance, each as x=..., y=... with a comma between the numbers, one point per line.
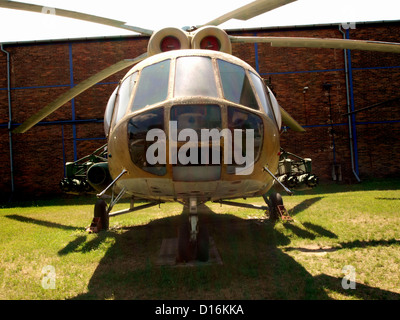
x=192, y=124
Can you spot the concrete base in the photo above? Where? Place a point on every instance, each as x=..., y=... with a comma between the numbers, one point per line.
x=169, y=252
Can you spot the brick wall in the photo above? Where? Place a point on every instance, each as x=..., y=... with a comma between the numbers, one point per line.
x=42, y=71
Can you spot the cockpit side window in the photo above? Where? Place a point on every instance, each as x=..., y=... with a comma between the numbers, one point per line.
x=275, y=107
x=138, y=128
x=262, y=94
x=242, y=120
x=236, y=85
x=195, y=77
x=109, y=111
x=153, y=85
x=124, y=95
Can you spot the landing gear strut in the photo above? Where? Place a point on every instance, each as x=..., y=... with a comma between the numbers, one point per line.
x=193, y=238
x=276, y=208
x=101, y=211
x=190, y=248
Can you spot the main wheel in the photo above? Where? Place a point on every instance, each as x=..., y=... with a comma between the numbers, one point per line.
x=100, y=211
x=275, y=200
x=203, y=244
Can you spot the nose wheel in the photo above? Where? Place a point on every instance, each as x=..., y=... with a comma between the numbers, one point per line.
x=193, y=238
x=193, y=248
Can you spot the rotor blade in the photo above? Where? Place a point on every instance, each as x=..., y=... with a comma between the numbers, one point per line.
x=72, y=14
x=290, y=122
x=76, y=90
x=371, y=106
x=331, y=43
x=249, y=11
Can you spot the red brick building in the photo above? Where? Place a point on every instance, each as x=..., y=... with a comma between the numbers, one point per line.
x=309, y=83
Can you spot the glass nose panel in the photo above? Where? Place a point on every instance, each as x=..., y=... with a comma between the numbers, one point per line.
x=246, y=123
x=195, y=77
x=197, y=117
x=195, y=155
x=139, y=144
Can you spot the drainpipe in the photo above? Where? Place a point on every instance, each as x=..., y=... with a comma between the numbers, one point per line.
x=348, y=108
x=9, y=117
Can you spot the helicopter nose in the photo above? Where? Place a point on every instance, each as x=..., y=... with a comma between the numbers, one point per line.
x=194, y=141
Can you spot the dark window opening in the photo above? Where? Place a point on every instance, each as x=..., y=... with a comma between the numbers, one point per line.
x=239, y=119
x=138, y=127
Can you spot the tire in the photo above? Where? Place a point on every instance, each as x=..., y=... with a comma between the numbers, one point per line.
x=100, y=211
x=275, y=200
x=184, y=243
x=203, y=244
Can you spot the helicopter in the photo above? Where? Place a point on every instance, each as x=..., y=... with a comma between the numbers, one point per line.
x=190, y=123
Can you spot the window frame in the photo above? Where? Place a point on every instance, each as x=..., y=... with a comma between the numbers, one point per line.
x=134, y=108
x=246, y=76
x=212, y=69
x=267, y=98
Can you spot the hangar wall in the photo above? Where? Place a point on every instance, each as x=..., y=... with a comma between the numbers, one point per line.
x=40, y=71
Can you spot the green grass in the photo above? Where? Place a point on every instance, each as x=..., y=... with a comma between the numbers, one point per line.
x=334, y=226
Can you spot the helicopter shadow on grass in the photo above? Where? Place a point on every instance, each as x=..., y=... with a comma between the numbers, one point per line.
x=254, y=267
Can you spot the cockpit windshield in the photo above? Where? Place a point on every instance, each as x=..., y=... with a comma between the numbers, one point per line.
x=262, y=94
x=236, y=85
x=195, y=77
x=153, y=85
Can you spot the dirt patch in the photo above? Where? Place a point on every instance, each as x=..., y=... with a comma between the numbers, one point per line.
x=313, y=249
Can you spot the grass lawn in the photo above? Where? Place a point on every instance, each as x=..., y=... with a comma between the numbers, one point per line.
x=334, y=226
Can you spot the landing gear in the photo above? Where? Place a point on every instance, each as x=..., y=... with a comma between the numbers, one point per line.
x=203, y=244
x=277, y=210
x=186, y=248
x=100, y=211
x=193, y=239
x=276, y=200
x=190, y=248
x=273, y=202
x=101, y=218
